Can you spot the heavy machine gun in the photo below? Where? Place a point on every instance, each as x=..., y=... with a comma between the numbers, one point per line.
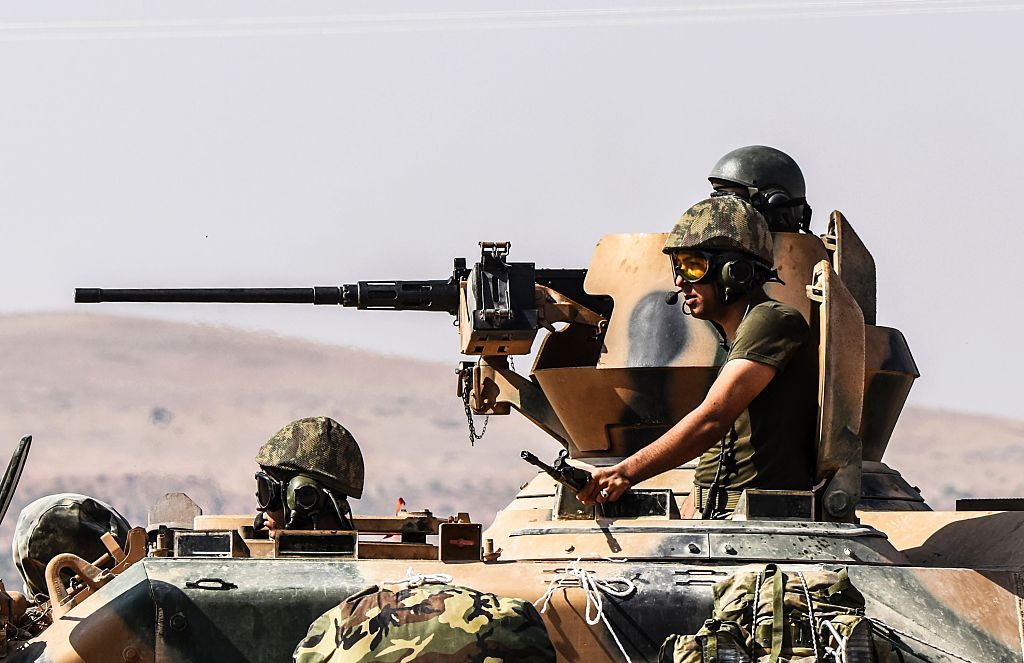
x=500, y=305
x=605, y=384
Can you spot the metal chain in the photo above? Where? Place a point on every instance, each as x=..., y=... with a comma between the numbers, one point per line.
x=473, y=435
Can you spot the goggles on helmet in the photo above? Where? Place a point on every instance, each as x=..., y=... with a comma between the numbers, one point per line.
x=691, y=266
x=268, y=492
x=301, y=499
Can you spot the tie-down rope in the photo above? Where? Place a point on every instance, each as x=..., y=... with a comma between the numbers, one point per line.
x=594, y=587
x=415, y=580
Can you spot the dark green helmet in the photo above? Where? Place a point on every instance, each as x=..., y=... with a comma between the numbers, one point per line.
x=319, y=447
x=62, y=523
x=723, y=223
x=761, y=167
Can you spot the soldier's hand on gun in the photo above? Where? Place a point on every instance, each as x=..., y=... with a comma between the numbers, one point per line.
x=606, y=484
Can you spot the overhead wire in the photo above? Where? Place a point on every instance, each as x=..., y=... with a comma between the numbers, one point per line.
x=260, y=26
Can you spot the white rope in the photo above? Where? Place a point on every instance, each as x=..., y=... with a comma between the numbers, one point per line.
x=757, y=598
x=838, y=654
x=810, y=615
x=595, y=588
x=416, y=579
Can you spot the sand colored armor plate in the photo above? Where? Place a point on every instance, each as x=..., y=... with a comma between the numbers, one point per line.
x=643, y=329
x=840, y=390
x=854, y=264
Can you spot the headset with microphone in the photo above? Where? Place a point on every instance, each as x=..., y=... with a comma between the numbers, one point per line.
x=734, y=274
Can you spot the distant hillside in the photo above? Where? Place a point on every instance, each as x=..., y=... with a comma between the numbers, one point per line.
x=127, y=409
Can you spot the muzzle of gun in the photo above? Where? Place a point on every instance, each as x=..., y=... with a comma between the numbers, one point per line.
x=562, y=472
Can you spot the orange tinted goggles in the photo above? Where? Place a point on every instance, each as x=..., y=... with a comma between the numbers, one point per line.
x=691, y=266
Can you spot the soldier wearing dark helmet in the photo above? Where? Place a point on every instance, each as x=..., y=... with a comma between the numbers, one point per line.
x=755, y=428
x=771, y=180
x=309, y=470
x=62, y=523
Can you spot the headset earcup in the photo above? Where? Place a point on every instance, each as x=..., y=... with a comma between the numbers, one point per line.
x=735, y=278
x=738, y=274
x=805, y=218
x=776, y=198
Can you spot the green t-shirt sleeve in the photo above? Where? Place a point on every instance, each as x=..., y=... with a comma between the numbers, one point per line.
x=770, y=334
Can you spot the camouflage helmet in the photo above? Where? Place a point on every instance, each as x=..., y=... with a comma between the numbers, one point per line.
x=428, y=622
x=62, y=523
x=319, y=447
x=722, y=223
x=761, y=167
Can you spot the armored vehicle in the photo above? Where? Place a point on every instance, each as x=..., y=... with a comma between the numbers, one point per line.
x=616, y=367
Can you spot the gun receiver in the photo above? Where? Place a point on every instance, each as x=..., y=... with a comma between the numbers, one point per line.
x=499, y=305
x=561, y=471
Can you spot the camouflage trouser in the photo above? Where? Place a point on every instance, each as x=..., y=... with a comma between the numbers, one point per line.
x=430, y=623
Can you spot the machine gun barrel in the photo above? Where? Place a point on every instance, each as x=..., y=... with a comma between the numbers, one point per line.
x=434, y=295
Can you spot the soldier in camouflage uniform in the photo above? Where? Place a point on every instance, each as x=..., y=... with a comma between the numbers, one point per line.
x=771, y=180
x=428, y=623
x=309, y=470
x=755, y=428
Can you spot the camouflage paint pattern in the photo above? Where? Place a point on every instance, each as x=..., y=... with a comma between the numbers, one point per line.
x=655, y=364
x=722, y=223
x=643, y=331
x=318, y=446
x=153, y=610
x=436, y=623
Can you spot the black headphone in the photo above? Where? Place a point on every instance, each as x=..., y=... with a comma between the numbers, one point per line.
x=774, y=198
x=740, y=275
x=769, y=198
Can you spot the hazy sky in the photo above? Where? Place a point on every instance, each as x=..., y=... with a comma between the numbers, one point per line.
x=271, y=143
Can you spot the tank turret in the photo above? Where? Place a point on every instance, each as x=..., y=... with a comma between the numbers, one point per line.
x=616, y=366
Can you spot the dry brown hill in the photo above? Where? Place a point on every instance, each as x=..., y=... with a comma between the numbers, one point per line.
x=127, y=409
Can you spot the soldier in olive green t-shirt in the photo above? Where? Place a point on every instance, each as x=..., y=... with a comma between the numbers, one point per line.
x=762, y=448
x=755, y=428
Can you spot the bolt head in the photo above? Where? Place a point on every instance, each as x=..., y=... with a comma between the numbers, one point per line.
x=838, y=503
x=178, y=621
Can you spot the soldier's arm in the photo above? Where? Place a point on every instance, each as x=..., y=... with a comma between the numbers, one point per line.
x=739, y=382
